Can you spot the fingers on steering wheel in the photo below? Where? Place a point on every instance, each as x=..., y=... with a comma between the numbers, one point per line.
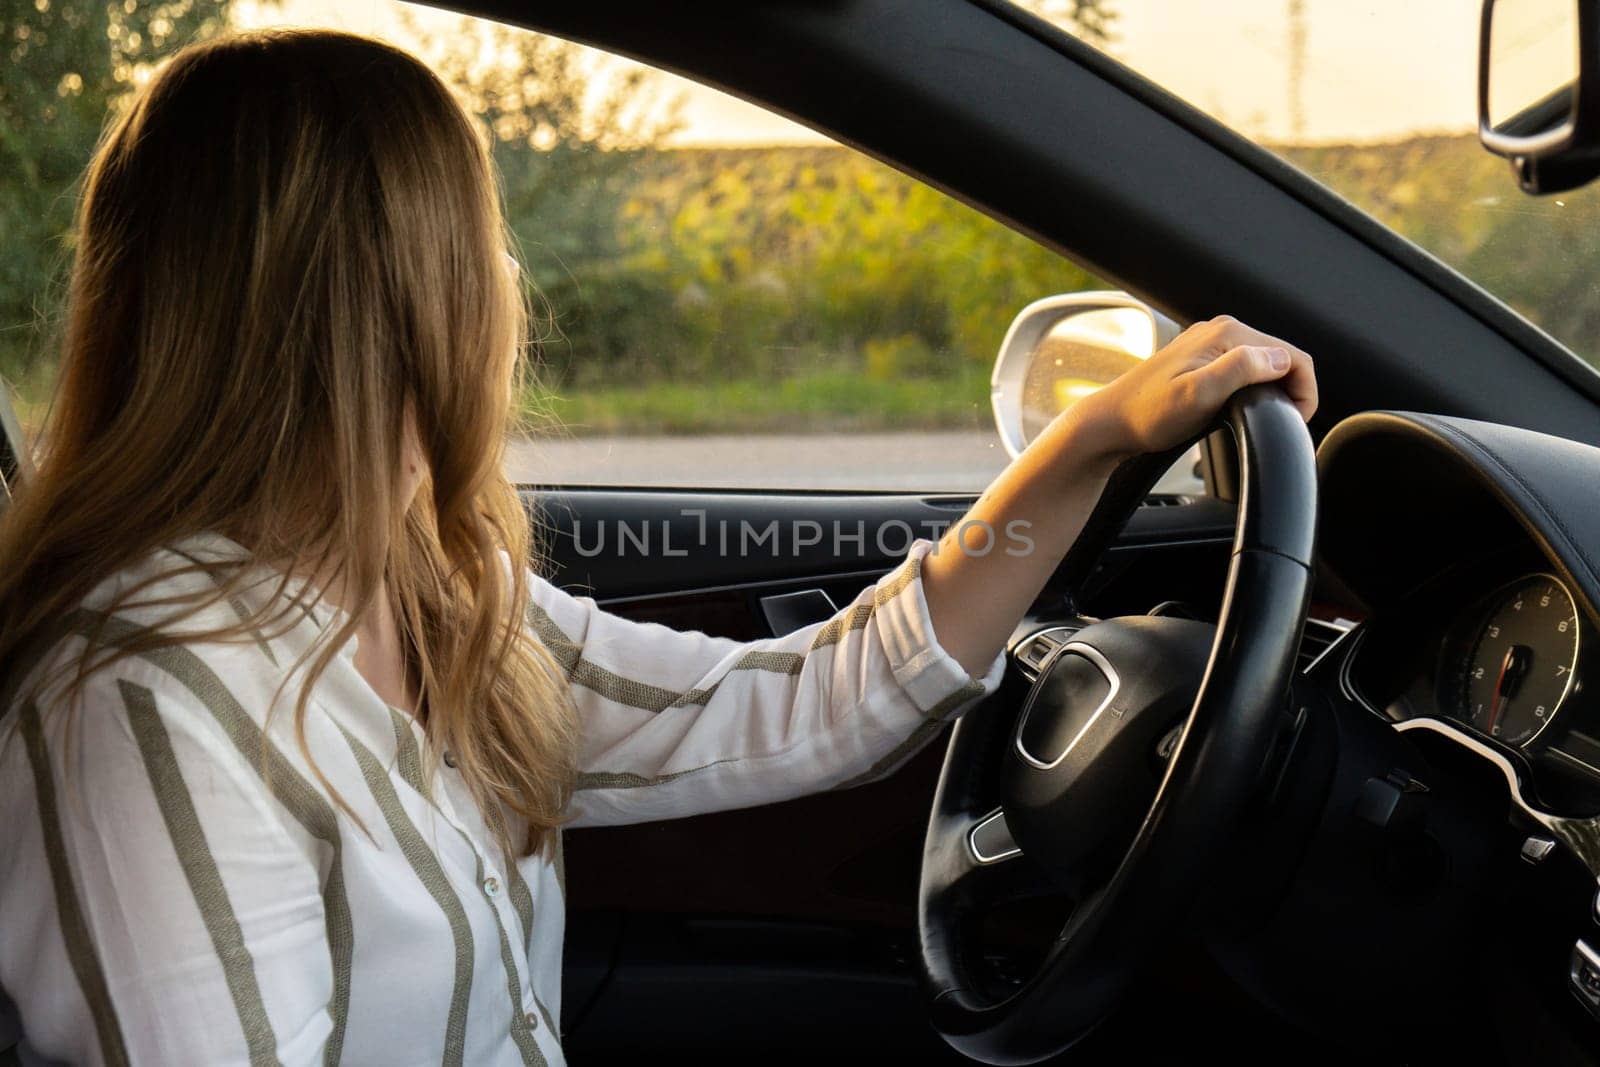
x=1299, y=381
x=1301, y=384
x=1245, y=365
x=1236, y=368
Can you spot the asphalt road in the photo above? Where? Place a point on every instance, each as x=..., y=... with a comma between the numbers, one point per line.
x=936, y=461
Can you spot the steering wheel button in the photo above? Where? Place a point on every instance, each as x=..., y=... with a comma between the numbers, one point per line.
x=1035, y=650
x=991, y=840
x=1537, y=849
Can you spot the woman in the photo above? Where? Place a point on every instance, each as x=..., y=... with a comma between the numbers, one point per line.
x=290, y=731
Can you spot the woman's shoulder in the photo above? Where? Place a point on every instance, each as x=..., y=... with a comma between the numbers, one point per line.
x=166, y=614
x=178, y=593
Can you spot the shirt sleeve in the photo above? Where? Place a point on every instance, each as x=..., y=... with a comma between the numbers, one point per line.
x=192, y=912
x=680, y=723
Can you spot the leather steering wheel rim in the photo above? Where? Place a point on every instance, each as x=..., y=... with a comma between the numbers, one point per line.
x=1208, y=779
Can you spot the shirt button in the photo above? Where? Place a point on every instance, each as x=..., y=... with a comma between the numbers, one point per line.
x=491, y=886
x=532, y=1019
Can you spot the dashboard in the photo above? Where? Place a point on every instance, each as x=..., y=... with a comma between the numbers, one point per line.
x=1468, y=553
x=1456, y=857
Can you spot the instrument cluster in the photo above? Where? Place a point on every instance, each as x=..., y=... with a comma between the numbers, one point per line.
x=1499, y=647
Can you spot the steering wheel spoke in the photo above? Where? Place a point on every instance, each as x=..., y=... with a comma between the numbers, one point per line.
x=986, y=869
x=990, y=840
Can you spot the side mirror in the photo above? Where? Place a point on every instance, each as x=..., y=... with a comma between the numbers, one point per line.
x=1061, y=349
x=1539, y=90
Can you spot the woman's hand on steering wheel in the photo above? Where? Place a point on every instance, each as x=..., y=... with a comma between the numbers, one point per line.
x=1176, y=394
x=976, y=594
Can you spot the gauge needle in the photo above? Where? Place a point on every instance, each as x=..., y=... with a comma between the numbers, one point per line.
x=1512, y=669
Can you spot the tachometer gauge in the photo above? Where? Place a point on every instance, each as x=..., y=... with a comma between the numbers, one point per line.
x=1520, y=664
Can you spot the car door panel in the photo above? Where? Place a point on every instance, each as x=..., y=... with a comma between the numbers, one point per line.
x=620, y=545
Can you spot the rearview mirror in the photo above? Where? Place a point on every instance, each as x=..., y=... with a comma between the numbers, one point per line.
x=1539, y=90
x=1063, y=348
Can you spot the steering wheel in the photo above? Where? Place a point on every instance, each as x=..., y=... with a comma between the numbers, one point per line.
x=1137, y=743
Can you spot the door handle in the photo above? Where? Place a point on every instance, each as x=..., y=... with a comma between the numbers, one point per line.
x=788, y=612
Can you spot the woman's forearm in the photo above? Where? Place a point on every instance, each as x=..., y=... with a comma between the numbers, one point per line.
x=988, y=568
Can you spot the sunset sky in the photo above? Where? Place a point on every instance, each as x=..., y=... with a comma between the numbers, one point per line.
x=1373, y=69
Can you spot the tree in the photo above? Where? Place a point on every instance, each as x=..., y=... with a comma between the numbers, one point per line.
x=567, y=129
x=67, y=64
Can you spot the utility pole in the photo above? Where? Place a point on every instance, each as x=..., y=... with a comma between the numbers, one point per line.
x=1297, y=69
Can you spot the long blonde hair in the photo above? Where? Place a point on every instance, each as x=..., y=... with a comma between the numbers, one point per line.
x=288, y=246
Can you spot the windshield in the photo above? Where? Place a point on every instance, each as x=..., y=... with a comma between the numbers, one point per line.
x=1379, y=103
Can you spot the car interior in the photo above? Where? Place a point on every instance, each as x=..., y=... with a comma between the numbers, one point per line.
x=1277, y=768
x=1378, y=898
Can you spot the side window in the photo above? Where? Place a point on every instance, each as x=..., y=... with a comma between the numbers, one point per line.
x=733, y=299
x=737, y=301
x=725, y=298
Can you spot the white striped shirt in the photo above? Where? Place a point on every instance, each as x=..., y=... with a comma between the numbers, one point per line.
x=179, y=885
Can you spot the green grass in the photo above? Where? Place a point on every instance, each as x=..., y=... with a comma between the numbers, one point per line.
x=838, y=401
x=815, y=402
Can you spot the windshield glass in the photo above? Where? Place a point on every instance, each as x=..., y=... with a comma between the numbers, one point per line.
x=1379, y=103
